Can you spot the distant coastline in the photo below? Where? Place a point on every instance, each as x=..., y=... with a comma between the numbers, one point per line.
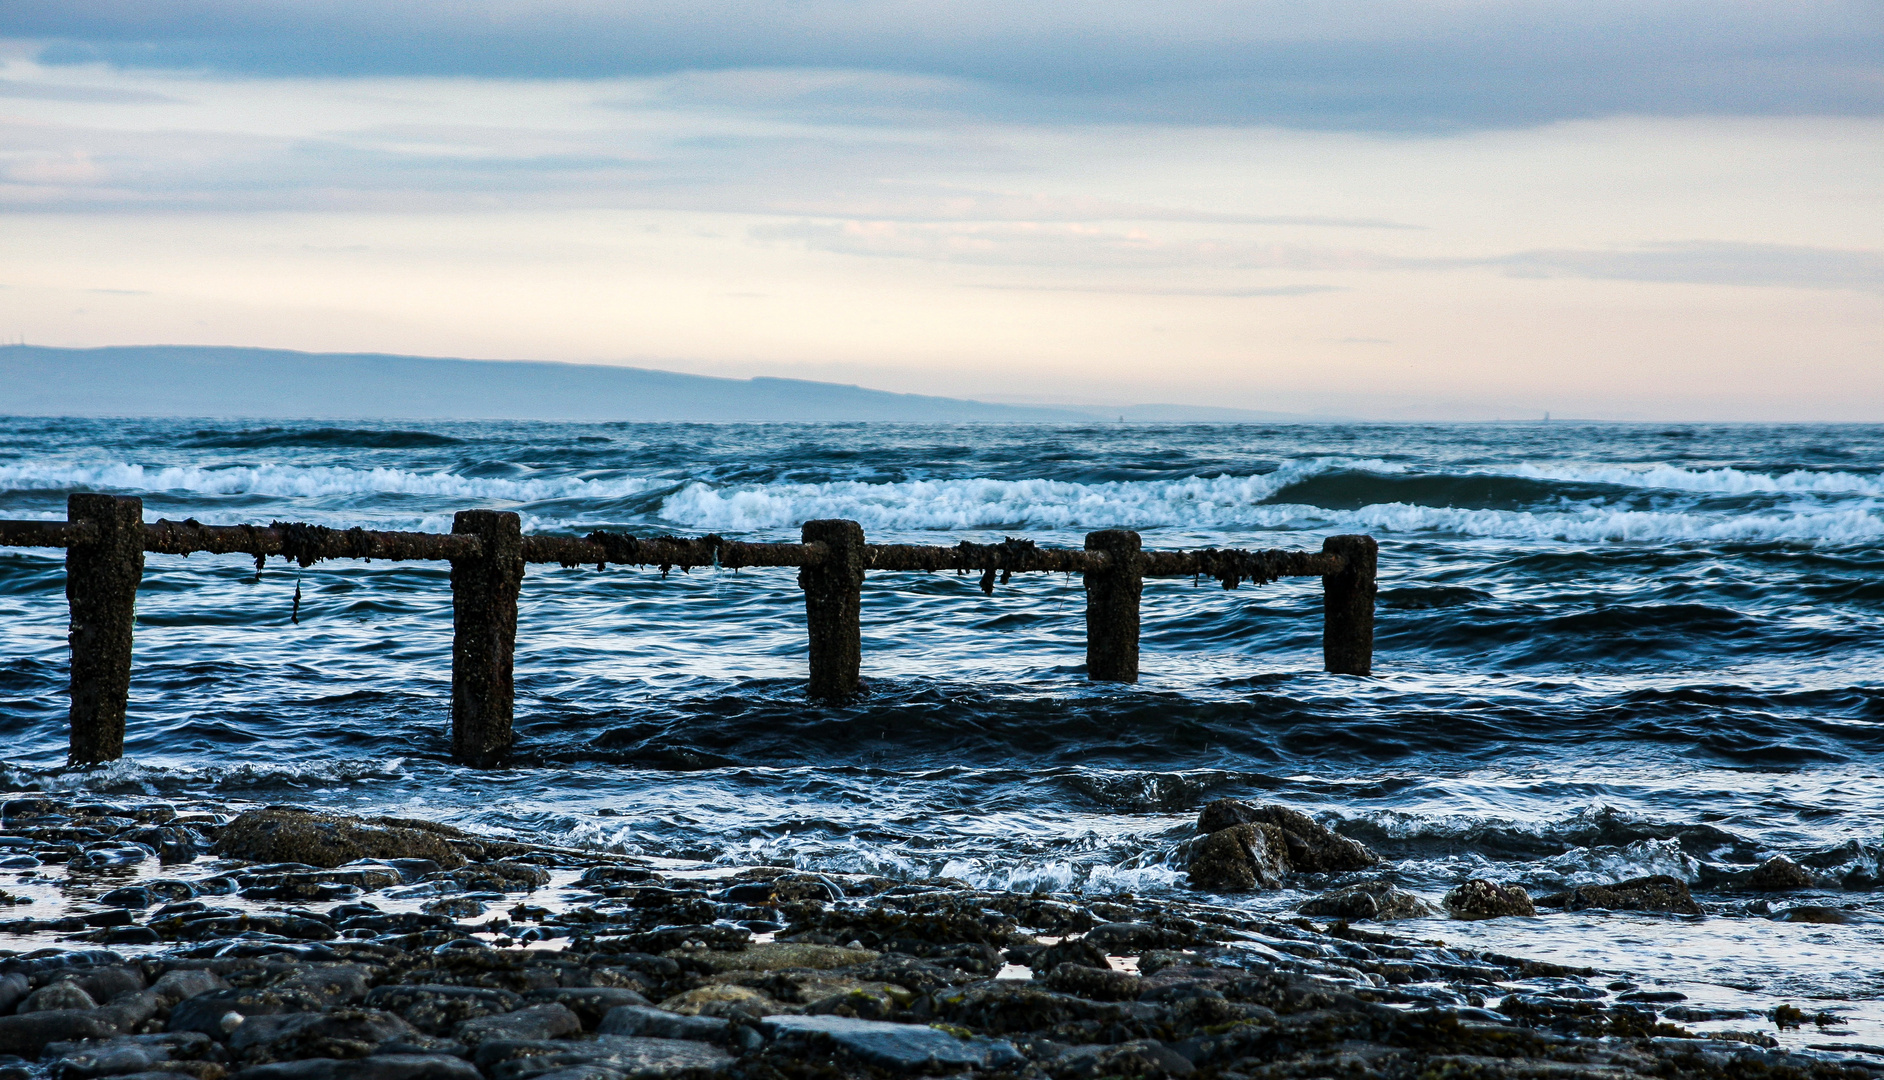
x=193, y=380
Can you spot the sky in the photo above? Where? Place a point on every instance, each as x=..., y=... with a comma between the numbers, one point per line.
x=1449, y=209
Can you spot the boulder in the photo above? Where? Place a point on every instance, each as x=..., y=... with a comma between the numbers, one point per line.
x=619, y=1055
x=181, y=984
x=1094, y=984
x=13, y=989
x=1076, y=951
x=375, y=1067
x=1375, y=900
x=591, y=1004
x=1481, y=899
x=277, y=835
x=218, y=1013
x=776, y=955
x=549, y=1021
x=26, y=1035
x=1657, y=892
x=59, y=995
x=1779, y=874
x=1239, y=858
x=645, y=1022
x=894, y=1047
x=436, y=1010
x=1139, y=1058
x=1308, y=846
x=342, y=1033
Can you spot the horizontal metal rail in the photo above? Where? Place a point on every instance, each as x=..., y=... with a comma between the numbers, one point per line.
x=308, y=544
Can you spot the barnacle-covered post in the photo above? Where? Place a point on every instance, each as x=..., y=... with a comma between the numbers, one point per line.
x=833, y=608
x=1347, y=630
x=1112, y=607
x=484, y=635
x=101, y=576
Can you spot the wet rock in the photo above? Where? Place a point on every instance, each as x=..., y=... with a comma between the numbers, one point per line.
x=861, y=1001
x=495, y=877
x=1779, y=874
x=13, y=989
x=550, y=1021
x=1079, y=951
x=130, y=896
x=342, y=1033
x=26, y=1035
x=1004, y=1006
x=59, y=995
x=1657, y=892
x=1132, y=938
x=376, y=1067
x=620, y=1055
x=115, y=1058
x=1307, y=845
x=637, y=1020
x=104, y=982
x=896, y=1047
x=185, y=983
x=591, y=1004
x=328, y=840
x=1376, y=900
x=1097, y=984
x=723, y=1000
x=327, y=984
x=1141, y=1057
x=1238, y=859
x=219, y=1012
x=1820, y=914
x=778, y=955
x=1481, y=899
x=436, y=1010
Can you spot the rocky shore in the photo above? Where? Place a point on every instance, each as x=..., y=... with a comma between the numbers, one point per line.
x=286, y=944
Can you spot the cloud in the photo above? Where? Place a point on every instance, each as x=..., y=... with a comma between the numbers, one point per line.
x=103, y=95
x=1155, y=290
x=1089, y=245
x=1352, y=64
x=1708, y=262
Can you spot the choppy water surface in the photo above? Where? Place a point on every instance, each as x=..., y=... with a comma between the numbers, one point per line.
x=1603, y=651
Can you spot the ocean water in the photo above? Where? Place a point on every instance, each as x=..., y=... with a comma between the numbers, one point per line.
x=1603, y=651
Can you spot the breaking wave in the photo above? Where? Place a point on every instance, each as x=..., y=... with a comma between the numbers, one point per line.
x=1538, y=502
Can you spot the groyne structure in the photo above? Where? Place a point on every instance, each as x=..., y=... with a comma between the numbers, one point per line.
x=106, y=538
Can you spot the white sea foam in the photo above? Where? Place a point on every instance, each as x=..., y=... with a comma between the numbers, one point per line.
x=296, y=481
x=1832, y=507
x=1711, y=481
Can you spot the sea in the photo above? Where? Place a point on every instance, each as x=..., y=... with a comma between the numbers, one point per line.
x=1603, y=651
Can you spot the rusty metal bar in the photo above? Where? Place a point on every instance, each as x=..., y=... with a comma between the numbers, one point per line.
x=599, y=548
x=50, y=534
x=1232, y=567
x=306, y=544
x=1014, y=556
x=311, y=543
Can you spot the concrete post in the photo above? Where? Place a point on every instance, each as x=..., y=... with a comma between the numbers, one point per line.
x=833, y=608
x=1112, y=607
x=101, y=588
x=1347, y=630
x=484, y=636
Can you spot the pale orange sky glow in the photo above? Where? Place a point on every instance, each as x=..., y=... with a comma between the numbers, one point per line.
x=868, y=226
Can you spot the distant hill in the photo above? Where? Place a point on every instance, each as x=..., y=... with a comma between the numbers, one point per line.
x=196, y=380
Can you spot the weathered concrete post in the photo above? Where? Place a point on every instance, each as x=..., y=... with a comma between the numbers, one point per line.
x=833, y=608
x=101, y=587
x=1347, y=629
x=484, y=639
x=1112, y=607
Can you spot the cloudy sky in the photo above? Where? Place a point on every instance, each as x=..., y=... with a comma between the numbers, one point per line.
x=1447, y=208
